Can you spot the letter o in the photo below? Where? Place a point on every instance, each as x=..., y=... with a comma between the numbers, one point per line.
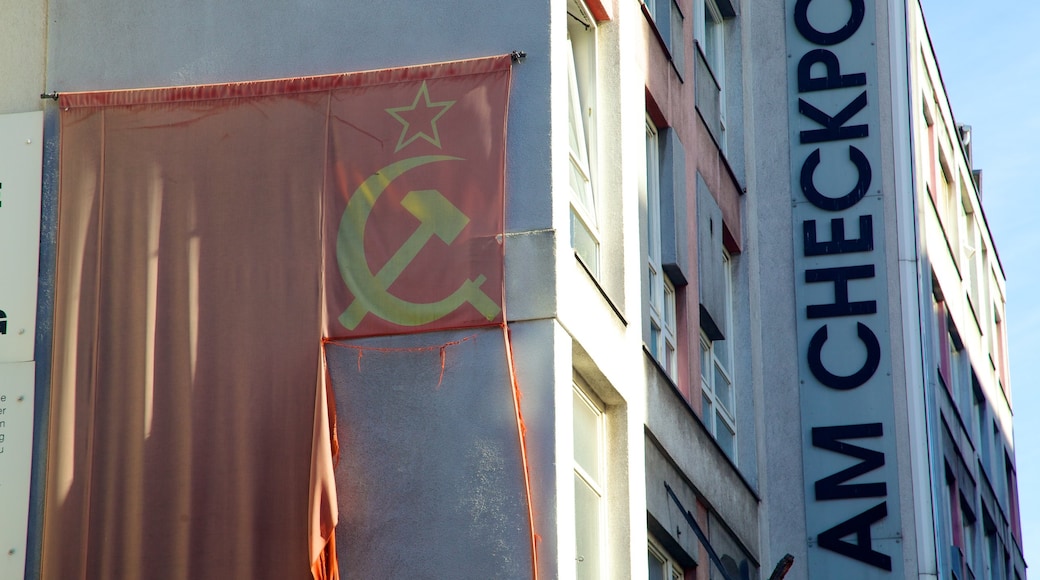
x=810, y=33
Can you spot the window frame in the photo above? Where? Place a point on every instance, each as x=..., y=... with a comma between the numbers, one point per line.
x=670, y=570
x=595, y=482
x=661, y=293
x=972, y=249
x=705, y=10
x=717, y=358
x=969, y=533
x=666, y=18
x=651, y=7
x=713, y=49
x=585, y=236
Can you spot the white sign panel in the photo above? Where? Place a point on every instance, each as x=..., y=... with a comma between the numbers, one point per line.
x=21, y=159
x=16, y=431
x=846, y=391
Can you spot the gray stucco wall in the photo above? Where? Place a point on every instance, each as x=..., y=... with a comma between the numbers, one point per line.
x=132, y=44
x=775, y=357
x=23, y=38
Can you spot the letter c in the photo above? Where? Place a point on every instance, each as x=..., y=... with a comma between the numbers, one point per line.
x=863, y=178
x=856, y=379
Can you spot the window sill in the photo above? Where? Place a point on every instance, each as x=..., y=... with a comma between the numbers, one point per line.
x=599, y=287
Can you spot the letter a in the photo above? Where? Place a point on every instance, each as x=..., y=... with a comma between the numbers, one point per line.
x=833, y=539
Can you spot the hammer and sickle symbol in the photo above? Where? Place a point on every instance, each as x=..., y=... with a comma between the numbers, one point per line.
x=437, y=217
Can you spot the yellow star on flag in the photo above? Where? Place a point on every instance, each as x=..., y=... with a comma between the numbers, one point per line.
x=418, y=119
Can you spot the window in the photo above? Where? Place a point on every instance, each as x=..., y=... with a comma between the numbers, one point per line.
x=589, y=480
x=978, y=414
x=929, y=119
x=716, y=286
x=709, y=34
x=661, y=292
x=948, y=198
x=955, y=369
x=992, y=464
x=957, y=362
x=1011, y=481
x=994, y=555
x=718, y=404
x=950, y=490
x=954, y=356
x=651, y=7
x=1001, y=345
x=942, y=343
x=952, y=513
x=950, y=209
x=981, y=426
x=581, y=95
x=659, y=566
x=994, y=323
x=667, y=18
x=969, y=533
x=972, y=256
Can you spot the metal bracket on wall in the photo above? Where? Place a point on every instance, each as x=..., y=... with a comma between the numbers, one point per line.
x=699, y=533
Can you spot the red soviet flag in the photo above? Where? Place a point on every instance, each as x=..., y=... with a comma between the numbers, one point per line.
x=210, y=238
x=414, y=199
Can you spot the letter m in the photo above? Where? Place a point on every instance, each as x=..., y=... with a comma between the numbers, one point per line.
x=835, y=486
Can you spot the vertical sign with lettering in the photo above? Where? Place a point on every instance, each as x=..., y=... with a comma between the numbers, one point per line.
x=841, y=289
x=21, y=155
x=16, y=429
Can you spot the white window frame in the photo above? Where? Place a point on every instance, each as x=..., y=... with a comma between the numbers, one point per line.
x=661, y=296
x=719, y=410
x=669, y=569
x=595, y=482
x=1000, y=343
x=581, y=96
x=947, y=194
x=705, y=10
x=973, y=256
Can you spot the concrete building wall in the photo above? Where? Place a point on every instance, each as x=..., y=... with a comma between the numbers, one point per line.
x=772, y=286
x=974, y=497
x=23, y=62
x=113, y=45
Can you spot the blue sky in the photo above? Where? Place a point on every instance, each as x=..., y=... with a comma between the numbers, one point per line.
x=990, y=62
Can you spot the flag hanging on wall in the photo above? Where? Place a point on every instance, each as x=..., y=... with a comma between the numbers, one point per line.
x=415, y=205
x=210, y=239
